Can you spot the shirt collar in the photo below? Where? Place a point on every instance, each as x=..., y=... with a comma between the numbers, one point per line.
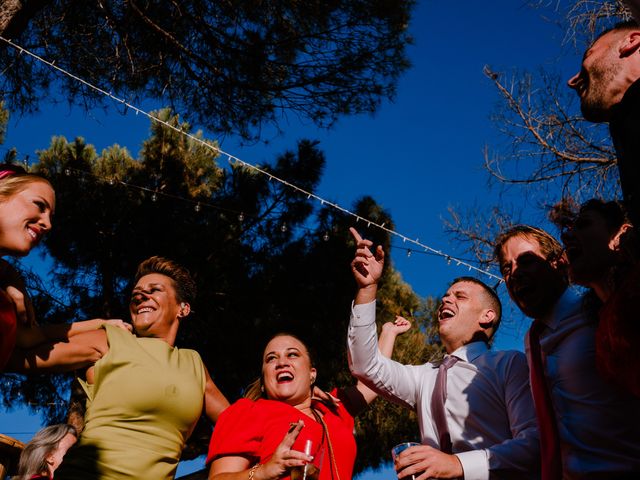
x=470, y=351
x=568, y=303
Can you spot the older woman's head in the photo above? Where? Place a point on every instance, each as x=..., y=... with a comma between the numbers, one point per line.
x=44, y=453
x=288, y=374
x=161, y=297
x=26, y=205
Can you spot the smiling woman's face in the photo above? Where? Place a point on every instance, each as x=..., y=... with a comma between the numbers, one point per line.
x=153, y=307
x=286, y=370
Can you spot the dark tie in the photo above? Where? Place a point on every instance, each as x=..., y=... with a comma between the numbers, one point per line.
x=551, y=459
x=437, y=404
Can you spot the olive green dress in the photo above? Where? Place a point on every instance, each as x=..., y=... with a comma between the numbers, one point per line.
x=141, y=408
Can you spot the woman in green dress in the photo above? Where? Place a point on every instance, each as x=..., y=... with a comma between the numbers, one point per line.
x=144, y=396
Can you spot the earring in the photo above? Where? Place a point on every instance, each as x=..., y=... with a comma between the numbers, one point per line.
x=262, y=388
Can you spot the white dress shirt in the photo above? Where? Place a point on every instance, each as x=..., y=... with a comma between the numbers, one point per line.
x=599, y=426
x=489, y=407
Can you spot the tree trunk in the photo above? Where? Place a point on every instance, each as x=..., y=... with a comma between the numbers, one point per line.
x=15, y=15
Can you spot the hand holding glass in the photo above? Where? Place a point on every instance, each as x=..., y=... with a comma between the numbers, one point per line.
x=401, y=447
x=310, y=471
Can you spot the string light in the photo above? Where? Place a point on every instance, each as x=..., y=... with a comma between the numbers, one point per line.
x=242, y=162
x=408, y=252
x=325, y=237
x=154, y=197
x=241, y=217
x=197, y=208
x=283, y=227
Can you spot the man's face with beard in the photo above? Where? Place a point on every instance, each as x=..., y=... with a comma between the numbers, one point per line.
x=601, y=82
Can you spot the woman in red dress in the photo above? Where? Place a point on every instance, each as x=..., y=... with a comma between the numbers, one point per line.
x=262, y=436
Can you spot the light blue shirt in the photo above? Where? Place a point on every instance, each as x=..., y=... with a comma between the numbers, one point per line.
x=599, y=426
x=489, y=407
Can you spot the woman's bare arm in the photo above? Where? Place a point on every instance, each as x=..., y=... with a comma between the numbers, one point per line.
x=214, y=401
x=80, y=351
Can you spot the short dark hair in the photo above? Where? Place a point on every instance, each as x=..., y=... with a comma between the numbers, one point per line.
x=619, y=27
x=183, y=283
x=491, y=297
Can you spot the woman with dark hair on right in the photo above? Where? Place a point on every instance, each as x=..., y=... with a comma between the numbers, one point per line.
x=263, y=436
x=602, y=252
x=43, y=454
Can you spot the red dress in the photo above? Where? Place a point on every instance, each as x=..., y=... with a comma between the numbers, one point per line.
x=618, y=336
x=254, y=430
x=8, y=326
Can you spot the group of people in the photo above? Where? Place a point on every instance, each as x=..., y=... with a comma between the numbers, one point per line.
x=567, y=409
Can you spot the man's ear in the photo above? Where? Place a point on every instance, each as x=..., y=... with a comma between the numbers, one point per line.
x=630, y=43
x=614, y=243
x=487, y=318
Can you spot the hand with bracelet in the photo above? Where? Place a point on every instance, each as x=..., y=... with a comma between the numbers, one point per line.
x=284, y=458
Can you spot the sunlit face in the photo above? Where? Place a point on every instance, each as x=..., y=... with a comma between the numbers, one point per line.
x=461, y=314
x=534, y=283
x=25, y=217
x=589, y=249
x=54, y=459
x=286, y=371
x=600, y=84
x=154, y=307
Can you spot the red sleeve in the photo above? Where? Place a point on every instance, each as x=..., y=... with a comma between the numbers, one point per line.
x=342, y=411
x=238, y=431
x=8, y=326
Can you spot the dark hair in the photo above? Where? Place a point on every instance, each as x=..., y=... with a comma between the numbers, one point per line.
x=550, y=247
x=255, y=390
x=619, y=27
x=491, y=298
x=183, y=283
x=612, y=212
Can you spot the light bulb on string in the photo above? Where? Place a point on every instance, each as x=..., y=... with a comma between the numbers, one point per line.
x=408, y=252
x=283, y=227
x=241, y=217
x=112, y=181
x=154, y=197
x=325, y=237
x=197, y=208
x=67, y=172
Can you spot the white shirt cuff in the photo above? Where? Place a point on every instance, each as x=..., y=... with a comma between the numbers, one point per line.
x=475, y=464
x=363, y=315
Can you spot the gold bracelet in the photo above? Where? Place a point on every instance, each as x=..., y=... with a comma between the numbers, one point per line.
x=252, y=470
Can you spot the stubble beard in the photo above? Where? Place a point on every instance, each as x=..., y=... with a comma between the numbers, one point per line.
x=596, y=104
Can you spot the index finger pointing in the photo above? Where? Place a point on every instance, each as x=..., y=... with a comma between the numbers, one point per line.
x=355, y=234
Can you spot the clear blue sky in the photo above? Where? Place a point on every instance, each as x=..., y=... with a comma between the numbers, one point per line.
x=416, y=156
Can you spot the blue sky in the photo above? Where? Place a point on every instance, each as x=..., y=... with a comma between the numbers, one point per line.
x=417, y=156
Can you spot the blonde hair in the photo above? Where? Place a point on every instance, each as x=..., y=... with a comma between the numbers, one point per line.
x=18, y=181
x=33, y=459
